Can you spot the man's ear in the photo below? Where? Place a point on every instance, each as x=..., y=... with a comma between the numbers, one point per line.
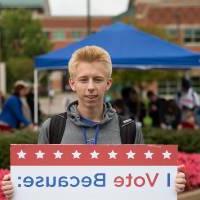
x=72, y=84
x=109, y=83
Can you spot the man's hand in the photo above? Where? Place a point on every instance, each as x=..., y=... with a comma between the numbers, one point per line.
x=7, y=187
x=180, y=181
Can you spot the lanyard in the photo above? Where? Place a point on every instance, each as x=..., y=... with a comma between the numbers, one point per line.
x=94, y=139
x=84, y=131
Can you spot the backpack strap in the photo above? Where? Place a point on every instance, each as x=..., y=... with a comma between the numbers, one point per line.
x=58, y=122
x=57, y=128
x=127, y=130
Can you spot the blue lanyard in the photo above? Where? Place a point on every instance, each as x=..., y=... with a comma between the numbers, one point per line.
x=93, y=140
x=84, y=131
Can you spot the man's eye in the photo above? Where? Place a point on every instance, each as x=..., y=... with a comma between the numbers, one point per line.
x=83, y=80
x=98, y=80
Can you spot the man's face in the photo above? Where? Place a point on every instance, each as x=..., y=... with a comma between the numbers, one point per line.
x=90, y=82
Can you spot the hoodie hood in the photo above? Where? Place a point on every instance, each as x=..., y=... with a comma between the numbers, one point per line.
x=74, y=115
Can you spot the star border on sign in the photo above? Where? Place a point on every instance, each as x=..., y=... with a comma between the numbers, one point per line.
x=149, y=154
x=21, y=154
x=130, y=155
x=58, y=154
x=94, y=155
x=40, y=154
x=76, y=155
x=166, y=155
x=112, y=155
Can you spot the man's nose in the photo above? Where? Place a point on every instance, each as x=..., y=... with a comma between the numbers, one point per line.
x=91, y=85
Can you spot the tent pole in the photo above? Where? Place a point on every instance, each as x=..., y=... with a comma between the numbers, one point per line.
x=35, y=96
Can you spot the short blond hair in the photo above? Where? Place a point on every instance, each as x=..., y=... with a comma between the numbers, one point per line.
x=90, y=54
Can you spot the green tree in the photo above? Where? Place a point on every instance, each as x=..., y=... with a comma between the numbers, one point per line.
x=22, y=39
x=19, y=68
x=22, y=34
x=130, y=77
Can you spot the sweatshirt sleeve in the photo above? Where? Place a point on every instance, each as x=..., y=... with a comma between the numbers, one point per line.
x=15, y=106
x=43, y=137
x=139, y=139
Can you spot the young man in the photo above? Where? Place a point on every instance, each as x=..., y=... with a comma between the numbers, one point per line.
x=89, y=120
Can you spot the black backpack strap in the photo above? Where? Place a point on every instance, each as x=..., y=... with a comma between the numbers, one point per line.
x=127, y=130
x=57, y=128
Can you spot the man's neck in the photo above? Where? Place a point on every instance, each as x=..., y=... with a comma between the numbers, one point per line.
x=94, y=114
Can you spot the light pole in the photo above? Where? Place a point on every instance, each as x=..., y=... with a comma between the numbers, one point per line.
x=1, y=37
x=2, y=65
x=88, y=17
x=178, y=28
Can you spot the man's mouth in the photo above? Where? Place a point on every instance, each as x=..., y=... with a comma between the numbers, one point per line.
x=91, y=96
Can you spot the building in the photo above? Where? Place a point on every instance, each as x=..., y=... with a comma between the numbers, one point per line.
x=37, y=7
x=65, y=30
x=180, y=19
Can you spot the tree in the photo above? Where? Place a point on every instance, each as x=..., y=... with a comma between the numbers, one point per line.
x=19, y=68
x=129, y=77
x=22, y=39
x=22, y=34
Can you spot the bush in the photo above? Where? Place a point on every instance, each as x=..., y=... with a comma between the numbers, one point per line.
x=192, y=168
x=187, y=140
x=18, y=137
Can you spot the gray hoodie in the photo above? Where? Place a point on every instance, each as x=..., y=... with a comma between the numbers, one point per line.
x=79, y=130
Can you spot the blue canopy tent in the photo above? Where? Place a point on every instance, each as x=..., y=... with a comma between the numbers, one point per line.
x=128, y=47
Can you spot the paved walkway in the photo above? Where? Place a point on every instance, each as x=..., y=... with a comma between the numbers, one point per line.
x=57, y=104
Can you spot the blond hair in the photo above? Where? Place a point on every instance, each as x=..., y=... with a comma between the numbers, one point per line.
x=90, y=54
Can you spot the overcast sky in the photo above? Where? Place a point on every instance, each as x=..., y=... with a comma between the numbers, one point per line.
x=79, y=7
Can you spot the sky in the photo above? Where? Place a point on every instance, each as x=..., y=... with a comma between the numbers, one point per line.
x=79, y=7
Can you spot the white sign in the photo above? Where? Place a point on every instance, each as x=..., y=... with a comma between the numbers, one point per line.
x=88, y=172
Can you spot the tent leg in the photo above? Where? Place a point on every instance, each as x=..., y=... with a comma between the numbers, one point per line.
x=35, y=97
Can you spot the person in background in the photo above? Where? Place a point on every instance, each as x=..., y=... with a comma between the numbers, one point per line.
x=119, y=106
x=172, y=115
x=135, y=108
x=30, y=102
x=189, y=121
x=25, y=106
x=187, y=100
x=156, y=109
x=12, y=115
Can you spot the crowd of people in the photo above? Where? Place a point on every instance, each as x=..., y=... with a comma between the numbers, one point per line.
x=182, y=111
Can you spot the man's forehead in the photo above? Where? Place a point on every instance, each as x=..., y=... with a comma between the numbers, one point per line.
x=93, y=71
x=91, y=75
